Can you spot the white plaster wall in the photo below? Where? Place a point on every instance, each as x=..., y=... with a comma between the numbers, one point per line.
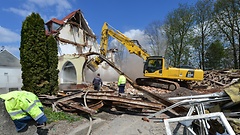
x=64, y=48
x=73, y=34
x=10, y=78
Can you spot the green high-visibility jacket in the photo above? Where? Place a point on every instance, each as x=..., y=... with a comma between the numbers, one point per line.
x=20, y=104
x=121, y=80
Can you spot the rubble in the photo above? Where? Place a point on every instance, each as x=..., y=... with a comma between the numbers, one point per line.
x=149, y=100
x=217, y=79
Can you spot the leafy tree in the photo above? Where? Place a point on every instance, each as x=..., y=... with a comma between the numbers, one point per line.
x=203, y=13
x=52, y=57
x=227, y=14
x=34, y=56
x=215, y=55
x=177, y=27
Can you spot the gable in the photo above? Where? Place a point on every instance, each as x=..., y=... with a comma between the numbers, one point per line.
x=8, y=60
x=75, y=18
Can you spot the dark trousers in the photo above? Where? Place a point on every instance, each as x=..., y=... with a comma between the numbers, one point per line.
x=121, y=88
x=97, y=87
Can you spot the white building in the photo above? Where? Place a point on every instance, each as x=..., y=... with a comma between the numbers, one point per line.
x=10, y=72
x=75, y=39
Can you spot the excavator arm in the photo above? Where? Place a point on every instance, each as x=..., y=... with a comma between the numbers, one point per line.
x=131, y=45
x=154, y=70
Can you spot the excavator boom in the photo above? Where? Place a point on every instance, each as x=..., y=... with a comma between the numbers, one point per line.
x=132, y=46
x=154, y=69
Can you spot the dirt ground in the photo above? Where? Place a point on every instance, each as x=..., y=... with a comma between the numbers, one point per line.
x=112, y=124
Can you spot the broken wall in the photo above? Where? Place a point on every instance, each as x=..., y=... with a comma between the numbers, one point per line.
x=77, y=62
x=74, y=38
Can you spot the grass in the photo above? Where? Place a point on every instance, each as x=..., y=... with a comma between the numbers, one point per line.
x=58, y=116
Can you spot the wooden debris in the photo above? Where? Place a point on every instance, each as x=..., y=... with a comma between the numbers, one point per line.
x=216, y=79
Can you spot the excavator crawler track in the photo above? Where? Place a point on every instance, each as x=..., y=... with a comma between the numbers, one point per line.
x=158, y=83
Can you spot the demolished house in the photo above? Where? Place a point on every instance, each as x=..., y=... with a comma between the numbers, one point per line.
x=76, y=41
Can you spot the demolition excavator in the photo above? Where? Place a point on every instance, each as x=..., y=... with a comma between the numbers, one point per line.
x=154, y=70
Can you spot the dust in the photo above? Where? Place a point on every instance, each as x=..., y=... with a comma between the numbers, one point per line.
x=107, y=74
x=133, y=66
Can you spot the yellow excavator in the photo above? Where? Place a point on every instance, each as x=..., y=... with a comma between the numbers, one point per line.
x=154, y=70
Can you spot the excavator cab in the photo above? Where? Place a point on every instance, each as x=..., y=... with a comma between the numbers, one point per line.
x=152, y=64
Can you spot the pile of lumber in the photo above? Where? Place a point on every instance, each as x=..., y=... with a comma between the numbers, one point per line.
x=217, y=79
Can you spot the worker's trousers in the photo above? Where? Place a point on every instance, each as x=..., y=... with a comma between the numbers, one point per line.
x=121, y=88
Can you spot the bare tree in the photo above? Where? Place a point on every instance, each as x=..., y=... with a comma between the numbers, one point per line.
x=227, y=16
x=157, y=38
x=203, y=13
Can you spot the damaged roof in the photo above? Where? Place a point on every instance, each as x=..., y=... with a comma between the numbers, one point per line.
x=76, y=17
x=8, y=60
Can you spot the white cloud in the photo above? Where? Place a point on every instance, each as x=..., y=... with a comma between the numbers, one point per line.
x=136, y=34
x=43, y=7
x=45, y=3
x=60, y=5
x=8, y=36
x=21, y=12
x=13, y=49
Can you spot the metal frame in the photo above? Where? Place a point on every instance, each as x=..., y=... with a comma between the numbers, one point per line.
x=187, y=120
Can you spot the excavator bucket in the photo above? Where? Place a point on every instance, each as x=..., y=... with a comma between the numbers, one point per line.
x=92, y=65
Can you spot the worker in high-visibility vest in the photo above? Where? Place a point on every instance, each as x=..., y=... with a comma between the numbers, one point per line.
x=121, y=83
x=23, y=107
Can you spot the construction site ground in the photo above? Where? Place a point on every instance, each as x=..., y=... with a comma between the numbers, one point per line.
x=106, y=124
x=110, y=121
x=113, y=114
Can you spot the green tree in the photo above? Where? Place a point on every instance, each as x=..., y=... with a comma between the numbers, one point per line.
x=52, y=57
x=33, y=56
x=177, y=27
x=215, y=55
x=203, y=13
x=227, y=14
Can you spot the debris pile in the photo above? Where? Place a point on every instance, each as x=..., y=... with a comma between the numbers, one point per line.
x=217, y=79
x=72, y=100
x=200, y=102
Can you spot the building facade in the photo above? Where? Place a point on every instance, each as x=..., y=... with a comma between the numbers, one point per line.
x=74, y=38
x=10, y=72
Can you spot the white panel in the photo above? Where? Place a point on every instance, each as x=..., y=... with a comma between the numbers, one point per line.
x=73, y=34
x=64, y=48
x=10, y=77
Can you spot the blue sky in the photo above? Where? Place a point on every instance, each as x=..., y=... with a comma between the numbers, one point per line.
x=125, y=15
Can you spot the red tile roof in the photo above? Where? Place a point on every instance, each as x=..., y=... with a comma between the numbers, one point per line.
x=65, y=18
x=71, y=15
x=56, y=21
